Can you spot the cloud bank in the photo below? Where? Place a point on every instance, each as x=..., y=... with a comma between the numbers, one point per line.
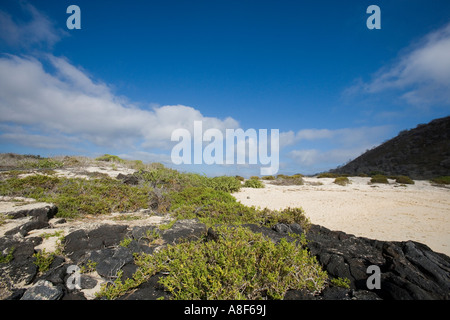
x=67, y=105
x=420, y=75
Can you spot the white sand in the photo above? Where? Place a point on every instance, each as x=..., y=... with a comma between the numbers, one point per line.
x=419, y=212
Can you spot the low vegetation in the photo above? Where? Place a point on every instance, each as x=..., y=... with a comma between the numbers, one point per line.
x=285, y=180
x=239, y=265
x=75, y=197
x=378, y=178
x=110, y=158
x=441, y=180
x=404, y=180
x=342, y=181
x=328, y=175
x=253, y=183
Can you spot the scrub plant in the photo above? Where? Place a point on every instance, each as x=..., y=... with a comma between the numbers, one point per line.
x=239, y=265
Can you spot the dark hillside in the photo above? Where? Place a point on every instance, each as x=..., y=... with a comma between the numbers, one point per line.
x=420, y=153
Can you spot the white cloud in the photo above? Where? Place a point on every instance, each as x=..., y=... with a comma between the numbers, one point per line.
x=69, y=103
x=38, y=30
x=346, y=137
x=421, y=75
x=331, y=148
x=313, y=158
x=147, y=157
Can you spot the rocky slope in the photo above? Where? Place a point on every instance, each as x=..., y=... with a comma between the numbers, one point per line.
x=420, y=153
x=409, y=270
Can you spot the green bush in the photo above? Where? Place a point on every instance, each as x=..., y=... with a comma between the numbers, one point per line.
x=284, y=180
x=268, y=178
x=239, y=265
x=287, y=216
x=253, y=183
x=342, y=181
x=328, y=175
x=254, y=178
x=44, y=163
x=223, y=183
x=75, y=197
x=43, y=260
x=441, y=180
x=110, y=158
x=379, y=179
x=210, y=207
x=170, y=179
x=404, y=180
x=341, y=282
x=214, y=207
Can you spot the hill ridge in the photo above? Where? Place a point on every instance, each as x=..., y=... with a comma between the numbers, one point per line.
x=420, y=153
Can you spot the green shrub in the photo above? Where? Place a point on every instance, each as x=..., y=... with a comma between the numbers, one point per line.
x=44, y=163
x=43, y=260
x=223, y=183
x=268, y=178
x=341, y=282
x=287, y=216
x=342, y=181
x=379, y=179
x=239, y=265
x=8, y=257
x=404, y=180
x=79, y=196
x=210, y=206
x=328, y=175
x=441, y=180
x=284, y=180
x=253, y=183
x=254, y=178
x=214, y=207
x=170, y=179
x=110, y=158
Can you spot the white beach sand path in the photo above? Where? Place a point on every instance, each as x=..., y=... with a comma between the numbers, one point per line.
x=419, y=212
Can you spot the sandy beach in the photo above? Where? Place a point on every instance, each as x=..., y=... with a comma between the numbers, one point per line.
x=419, y=212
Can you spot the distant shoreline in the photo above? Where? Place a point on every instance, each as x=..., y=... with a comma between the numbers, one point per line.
x=393, y=212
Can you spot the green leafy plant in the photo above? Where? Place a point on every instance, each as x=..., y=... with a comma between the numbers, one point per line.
x=342, y=181
x=253, y=183
x=43, y=260
x=75, y=197
x=89, y=266
x=328, y=175
x=110, y=158
x=341, y=282
x=45, y=163
x=441, y=180
x=379, y=179
x=404, y=180
x=8, y=257
x=240, y=265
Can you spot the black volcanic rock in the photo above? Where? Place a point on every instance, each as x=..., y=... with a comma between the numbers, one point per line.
x=409, y=270
x=420, y=153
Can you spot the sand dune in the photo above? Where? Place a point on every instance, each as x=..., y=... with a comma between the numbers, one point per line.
x=419, y=212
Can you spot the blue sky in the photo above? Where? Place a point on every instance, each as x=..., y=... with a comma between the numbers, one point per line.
x=137, y=70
